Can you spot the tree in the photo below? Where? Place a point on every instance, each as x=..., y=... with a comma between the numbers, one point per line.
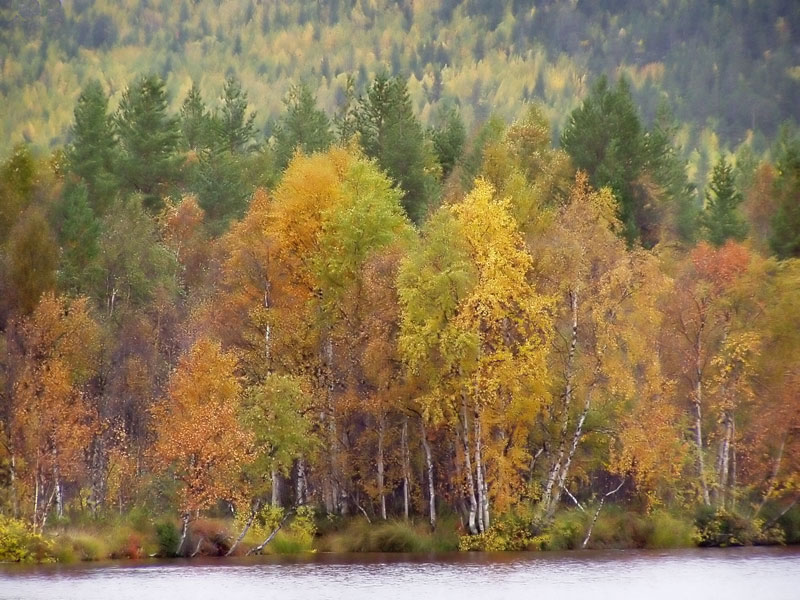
x=392, y=135
x=302, y=127
x=148, y=140
x=80, y=236
x=449, y=138
x=720, y=219
x=199, y=439
x=17, y=182
x=92, y=151
x=196, y=122
x=785, y=238
x=235, y=130
x=31, y=260
x=52, y=418
x=604, y=137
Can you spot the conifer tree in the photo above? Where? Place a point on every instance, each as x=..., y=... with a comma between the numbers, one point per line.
x=148, y=138
x=91, y=154
x=720, y=219
x=80, y=240
x=785, y=238
x=391, y=134
x=303, y=126
x=195, y=121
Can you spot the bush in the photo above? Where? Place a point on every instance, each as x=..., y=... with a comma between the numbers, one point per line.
x=567, y=531
x=88, y=547
x=669, y=531
x=19, y=544
x=721, y=528
x=168, y=537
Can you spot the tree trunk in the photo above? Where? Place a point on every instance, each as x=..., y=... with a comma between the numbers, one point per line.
x=429, y=464
x=698, y=418
x=300, y=489
x=13, y=478
x=381, y=495
x=597, y=513
x=773, y=479
x=253, y=512
x=564, y=471
x=473, y=503
x=276, y=487
x=483, y=499
x=568, y=393
x=184, y=531
x=271, y=536
x=723, y=460
x=406, y=467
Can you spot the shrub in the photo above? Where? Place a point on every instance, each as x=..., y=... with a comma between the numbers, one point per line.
x=168, y=537
x=721, y=528
x=19, y=544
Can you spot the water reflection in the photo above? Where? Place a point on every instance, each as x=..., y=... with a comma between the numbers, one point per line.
x=734, y=573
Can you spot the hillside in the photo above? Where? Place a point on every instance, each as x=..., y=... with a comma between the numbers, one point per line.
x=724, y=68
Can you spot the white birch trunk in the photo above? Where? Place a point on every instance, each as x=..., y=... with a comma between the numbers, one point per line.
x=429, y=464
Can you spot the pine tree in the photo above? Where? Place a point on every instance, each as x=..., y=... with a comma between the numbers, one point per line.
x=720, y=219
x=148, y=139
x=91, y=153
x=303, y=126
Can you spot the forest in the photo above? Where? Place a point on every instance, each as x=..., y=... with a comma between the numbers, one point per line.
x=371, y=324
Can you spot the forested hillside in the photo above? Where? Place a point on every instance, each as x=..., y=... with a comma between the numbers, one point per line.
x=724, y=68
x=458, y=307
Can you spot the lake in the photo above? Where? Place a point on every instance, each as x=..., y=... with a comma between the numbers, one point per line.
x=751, y=573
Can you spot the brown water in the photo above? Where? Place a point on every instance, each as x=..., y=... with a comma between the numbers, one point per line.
x=747, y=573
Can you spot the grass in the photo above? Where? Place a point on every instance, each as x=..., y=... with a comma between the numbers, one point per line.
x=356, y=535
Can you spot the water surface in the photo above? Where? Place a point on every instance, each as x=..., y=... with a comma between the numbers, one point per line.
x=746, y=573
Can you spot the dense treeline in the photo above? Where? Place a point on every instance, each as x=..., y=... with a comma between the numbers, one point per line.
x=726, y=68
x=372, y=317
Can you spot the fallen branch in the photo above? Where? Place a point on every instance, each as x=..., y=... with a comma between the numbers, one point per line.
x=574, y=499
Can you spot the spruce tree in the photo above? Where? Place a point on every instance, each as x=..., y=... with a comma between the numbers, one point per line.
x=148, y=138
x=785, y=238
x=721, y=220
x=392, y=135
x=448, y=139
x=195, y=121
x=92, y=150
x=235, y=129
x=303, y=126
x=80, y=241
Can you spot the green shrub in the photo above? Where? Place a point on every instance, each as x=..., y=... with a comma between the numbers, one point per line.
x=168, y=537
x=567, y=531
x=19, y=544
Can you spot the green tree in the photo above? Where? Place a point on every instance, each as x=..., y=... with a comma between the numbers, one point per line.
x=80, y=240
x=91, y=153
x=720, y=219
x=148, y=138
x=196, y=122
x=449, y=137
x=785, y=238
x=235, y=129
x=392, y=135
x=17, y=179
x=303, y=126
